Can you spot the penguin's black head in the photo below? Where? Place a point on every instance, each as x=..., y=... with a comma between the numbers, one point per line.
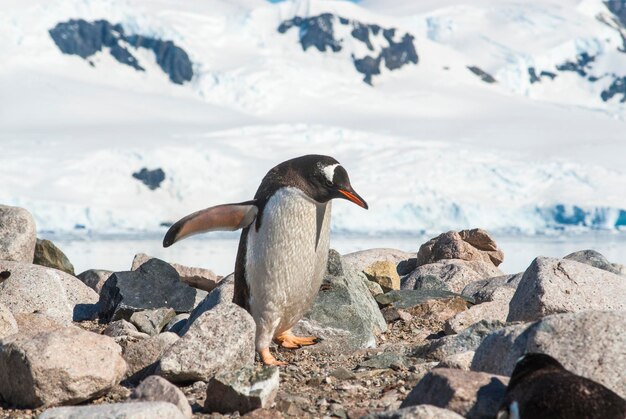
x=532, y=362
x=321, y=177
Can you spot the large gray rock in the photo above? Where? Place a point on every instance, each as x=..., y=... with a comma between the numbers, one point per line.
x=65, y=366
x=344, y=314
x=241, y=391
x=500, y=288
x=450, y=274
x=154, y=285
x=152, y=321
x=551, y=286
x=593, y=258
x=203, y=279
x=158, y=389
x=222, y=294
x=49, y=255
x=95, y=278
x=18, y=234
x=422, y=411
x=219, y=340
x=470, y=394
x=134, y=410
x=33, y=288
x=142, y=356
x=8, y=325
x=470, y=245
x=588, y=343
x=364, y=258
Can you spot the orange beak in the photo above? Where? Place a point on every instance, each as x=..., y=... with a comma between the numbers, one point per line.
x=354, y=197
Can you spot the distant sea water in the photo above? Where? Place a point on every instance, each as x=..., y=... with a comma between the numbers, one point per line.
x=218, y=253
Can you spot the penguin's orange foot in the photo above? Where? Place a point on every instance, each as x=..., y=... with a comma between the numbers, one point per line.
x=291, y=341
x=268, y=358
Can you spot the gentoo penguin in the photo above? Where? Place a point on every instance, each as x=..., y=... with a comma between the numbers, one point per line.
x=541, y=388
x=283, y=250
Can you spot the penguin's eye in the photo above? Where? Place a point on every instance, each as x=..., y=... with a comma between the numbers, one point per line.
x=328, y=183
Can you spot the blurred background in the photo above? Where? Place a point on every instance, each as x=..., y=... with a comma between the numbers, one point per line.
x=117, y=118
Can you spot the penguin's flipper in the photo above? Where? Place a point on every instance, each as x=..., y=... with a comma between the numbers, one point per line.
x=228, y=217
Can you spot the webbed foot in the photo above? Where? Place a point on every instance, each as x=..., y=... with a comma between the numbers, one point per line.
x=290, y=341
x=268, y=358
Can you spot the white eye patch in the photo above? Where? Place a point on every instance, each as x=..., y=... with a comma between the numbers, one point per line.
x=329, y=171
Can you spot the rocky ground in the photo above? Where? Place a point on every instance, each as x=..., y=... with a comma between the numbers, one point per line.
x=435, y=333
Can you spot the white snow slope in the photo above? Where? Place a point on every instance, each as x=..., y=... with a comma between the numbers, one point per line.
x=430, y=146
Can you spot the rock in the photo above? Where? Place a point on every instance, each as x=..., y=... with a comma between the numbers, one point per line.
x=499, y=288
x=593, y=258
x=47, y=254
x=177, y=323
x=33, y=288
x=470, y=394
x=386, y=360
x=203, y=279
x=154, y=285
x=65, y=366
x=551, y=286
x=451, y=275
x=384, y=274
x=407, y=266
x=588, y=343
x=31, y=324
x=460, y=361
x=136, y=410
x=467, y=340
x=8, y=325
x=344, y=314
x=95, y=278
x=342, y=373
x=373, y=287
x=364, y=258
x=422, y=411
x=122, y=328
x=219, y=340
x=242, y=391
x=143, y=356
x=18, y=234
x=158, y=389
x=406, y=299
x=152, y=321
x=222, y=294
x=492, y=311
x=334, y=266
x=470, y=245
x=621, y=269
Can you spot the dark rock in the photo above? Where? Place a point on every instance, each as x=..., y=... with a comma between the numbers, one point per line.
x=154, y=285
x=95, y=278
x=580, y=66
x=151, y=178
x=47, y=254
x=203, y=279
x=242, y=391
x=484, y=76
x=593, y=258
x=315, y=31
x=617, y=87
x=407, y=266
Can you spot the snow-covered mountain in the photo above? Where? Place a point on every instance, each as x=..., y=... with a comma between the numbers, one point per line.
x=122, y=116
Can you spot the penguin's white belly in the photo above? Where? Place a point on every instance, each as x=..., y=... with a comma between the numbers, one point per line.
x=284, y=264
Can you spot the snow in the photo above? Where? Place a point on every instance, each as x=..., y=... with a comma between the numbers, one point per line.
x=430, y=147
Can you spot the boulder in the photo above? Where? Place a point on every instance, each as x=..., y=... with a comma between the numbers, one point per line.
x=422, y=411
x=64, y=366
x=471, y=245
x=136, y=410
x=242, y=391
x=467, y=340
x=219, y=340
x=551, y=286
x=222, y=294
x=491, y=310
x=588, y=343
x=460, y=361
x=33, y=288
x=18, y=234
x=31, y=324
x=8, y=325
x=203, y=279
x=152, y=321
x=384, y=274
x=47, y=254
x=499, y=288
x=593, y=258
x=468, y=393
x=450, y=275
x=158, y=389
x=142, y=356
x=154, y=285
x=344, y=314
x=95, y=278
x=364, y=258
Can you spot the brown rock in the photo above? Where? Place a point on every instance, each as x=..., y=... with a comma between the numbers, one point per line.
x=470, y=245
x=468, y=393
x=32, y=324
x=48, y=254
x=384, y=274
x=200, y=278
